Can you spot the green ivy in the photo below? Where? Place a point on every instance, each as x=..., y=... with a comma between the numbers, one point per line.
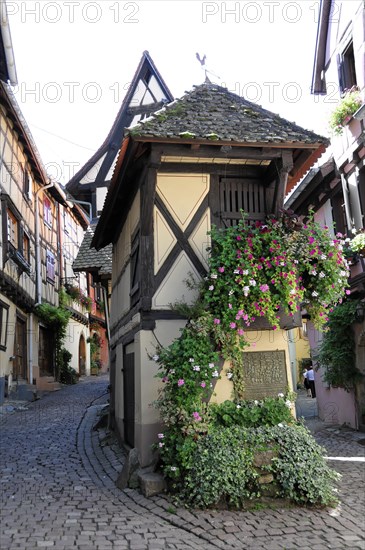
x=222, y=469
x=337, y=350
x=56, y=318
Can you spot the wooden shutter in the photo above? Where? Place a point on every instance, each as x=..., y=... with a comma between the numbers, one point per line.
x=238, y=194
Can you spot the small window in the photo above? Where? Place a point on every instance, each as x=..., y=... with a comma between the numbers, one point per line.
x=26, y=184
x=346, y=68
x=4, y=320
x=47, y=211
x=13, y=229
x=26, y=247
x=50, y=267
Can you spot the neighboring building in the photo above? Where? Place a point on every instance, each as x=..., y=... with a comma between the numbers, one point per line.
x=40, y=233
x=194, y=163
x=34, y=213
x=146, y=93
x=335, y=191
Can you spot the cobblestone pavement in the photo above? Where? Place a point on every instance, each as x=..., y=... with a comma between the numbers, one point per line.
x=58, y=490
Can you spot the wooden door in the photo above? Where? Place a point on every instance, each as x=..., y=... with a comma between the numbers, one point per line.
x=46, y=352
x=82, y=356
x=20, y=350
x=129, y=397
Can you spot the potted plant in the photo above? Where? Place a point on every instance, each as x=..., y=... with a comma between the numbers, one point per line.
x=349, y=104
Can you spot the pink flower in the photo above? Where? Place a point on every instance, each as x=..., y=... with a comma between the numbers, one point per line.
x=232, y=325
x=180, y=382
x=230, y=306
x=217, y=321
x=203, y=384
x=239, y=238
x=165, y=379
x=348, y=292
x=264, y=288
x=221, y=269
x=196, y=416
x=240, y=332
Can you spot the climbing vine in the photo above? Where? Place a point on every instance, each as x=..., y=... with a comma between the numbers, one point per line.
x=337, y=350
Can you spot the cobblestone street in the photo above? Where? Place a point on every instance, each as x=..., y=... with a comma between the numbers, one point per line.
x=58, y=490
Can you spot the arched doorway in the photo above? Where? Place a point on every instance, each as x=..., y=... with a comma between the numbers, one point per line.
x=82, y=356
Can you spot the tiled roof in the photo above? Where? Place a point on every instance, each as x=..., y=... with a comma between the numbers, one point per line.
x=212, y=113
x=90, y=259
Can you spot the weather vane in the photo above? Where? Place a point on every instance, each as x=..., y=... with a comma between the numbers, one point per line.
x=202, y=62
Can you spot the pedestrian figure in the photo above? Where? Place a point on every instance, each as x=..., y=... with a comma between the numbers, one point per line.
x=310, y=378
x=306, y=382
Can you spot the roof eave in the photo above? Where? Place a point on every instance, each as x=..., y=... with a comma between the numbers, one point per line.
x=318, y=80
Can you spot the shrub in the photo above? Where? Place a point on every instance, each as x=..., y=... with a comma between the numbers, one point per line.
x=349, y=104
x=252, y=414
x=222, y=468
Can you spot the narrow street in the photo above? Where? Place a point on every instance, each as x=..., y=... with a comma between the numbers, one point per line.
x=58, y=490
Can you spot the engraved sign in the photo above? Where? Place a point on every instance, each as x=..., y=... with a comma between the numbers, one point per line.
x=264, y=374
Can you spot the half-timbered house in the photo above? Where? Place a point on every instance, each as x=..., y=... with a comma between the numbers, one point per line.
x=199, y=161
x=335, y=191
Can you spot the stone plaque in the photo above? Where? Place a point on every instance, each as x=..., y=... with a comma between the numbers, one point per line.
x=264, y=374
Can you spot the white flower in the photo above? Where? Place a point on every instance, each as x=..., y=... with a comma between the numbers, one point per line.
x=246, y=290
x=236, y=271
x=245, y=272
x=282, y=263
x=211, y=365
x=229, y=375
x=256, y=402
x=230, y=293
x=160, y=436
x=238, y=406
x=322, y=275
x=343, y=274
x=288, y=403
x=293, y=291
x=313, y=272
x=252, y=282
x=296, y=261
x=191, y=360
x=280, y=425
x=314, y=293
x=196, y=368
x=215, y=374
x=323, y=256
x=161, y=444
x=211, y=287
x=214, y=276
x=173, y=468
x=156, y=357
x=280, y=395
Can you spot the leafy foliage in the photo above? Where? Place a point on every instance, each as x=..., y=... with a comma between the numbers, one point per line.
x=337, y=349
x=349, y=104
x=57, y=319
x=252, y=414
x=222, y=468
x=67, y=375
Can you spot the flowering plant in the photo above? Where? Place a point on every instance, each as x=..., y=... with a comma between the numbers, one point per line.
x=259, y=270
x=349, y=104
x=357, y=244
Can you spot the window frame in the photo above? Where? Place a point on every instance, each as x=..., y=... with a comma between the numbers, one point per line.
x=346, y=66
x=47, y=212
x=50, y=261
x=13, y=247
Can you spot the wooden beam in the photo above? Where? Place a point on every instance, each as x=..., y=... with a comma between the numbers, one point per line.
x=285, y=166
x=196, y=150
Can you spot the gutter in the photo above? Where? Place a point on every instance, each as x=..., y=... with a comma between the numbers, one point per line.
x=8, y=46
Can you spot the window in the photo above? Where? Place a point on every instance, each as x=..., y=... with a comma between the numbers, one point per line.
x=50, y=267
x=13, y=228
x=4, y=319
x=26, y=184
x=47, y=211
x=346, y=68
x=26, y=247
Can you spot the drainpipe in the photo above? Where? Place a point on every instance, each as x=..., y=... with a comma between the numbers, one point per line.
x=38, y=259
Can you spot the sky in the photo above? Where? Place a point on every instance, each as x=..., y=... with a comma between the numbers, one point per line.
x=75, y=59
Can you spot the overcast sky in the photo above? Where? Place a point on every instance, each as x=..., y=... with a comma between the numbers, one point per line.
x=74, y=61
